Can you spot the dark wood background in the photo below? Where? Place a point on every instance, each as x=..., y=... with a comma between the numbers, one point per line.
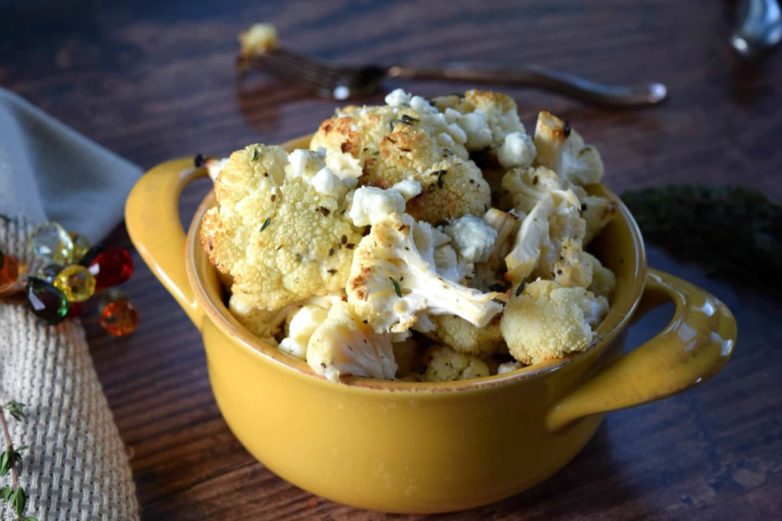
x=154, y=80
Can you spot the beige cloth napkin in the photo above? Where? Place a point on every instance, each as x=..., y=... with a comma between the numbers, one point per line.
x=76, y=467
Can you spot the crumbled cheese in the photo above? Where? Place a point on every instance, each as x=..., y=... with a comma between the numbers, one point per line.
x=507, y=367
x=518, y=149
x=397, y=98
x=473, y=237
x=476, y=127
x=370, y=204
x=421, y=105
x=302, y=163
x=344, y=166
x=409, y=188
x=215, y=166
x=325, y=182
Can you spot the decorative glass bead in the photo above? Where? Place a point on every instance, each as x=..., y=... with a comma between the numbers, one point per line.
x=80, y=247
x=118, y=315
x=76, y=283
x=74, y=310
x=112, y=267
x=51, y=243
x=46, y=301
x=9, y=269
x=49, y=272
x=93, y=252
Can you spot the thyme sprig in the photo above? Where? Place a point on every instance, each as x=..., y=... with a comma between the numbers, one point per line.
x=13, y=495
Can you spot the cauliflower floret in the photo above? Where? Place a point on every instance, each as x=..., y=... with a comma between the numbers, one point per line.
x=452, y=188
x=562, y=149
x=523, y=188
x=391, y=144
x=474, y=238
x=263, y=323
x=391, y=284
x=543, y=232
x=258, y=39
x=489, y=273
x=301, y=325
x=548, y=321
x=518, y=150
x=603, y=279
x=279, y=239
x=464, y=337
x=435, y=248
x=596, y=210
x=343, y=345
x=486, y=117
x=446, y=365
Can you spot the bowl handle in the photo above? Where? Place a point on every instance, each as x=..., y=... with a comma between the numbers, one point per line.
x=695, y=345
x=152, y=219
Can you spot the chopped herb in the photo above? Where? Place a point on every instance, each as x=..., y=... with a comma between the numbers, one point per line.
x=256, y=154
x=409, y=120
x=397, y=289
x=520, y=288
x=266, y=223
x=440, y=174
x=325, y=211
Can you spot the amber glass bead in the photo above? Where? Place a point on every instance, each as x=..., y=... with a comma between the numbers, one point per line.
x=50, y=242
x=112, y=267
x=119, y=316
x=9, y=269
x=46, y=301
x=76, y=283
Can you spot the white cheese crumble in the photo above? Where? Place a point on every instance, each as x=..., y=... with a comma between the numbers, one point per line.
x=473, y=237
x=518, y=149
x=397, y=98
x=370, y=204
x=325, y=182
x=409, y=188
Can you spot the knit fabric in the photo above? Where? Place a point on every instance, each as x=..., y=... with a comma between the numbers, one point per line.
x=76, y=467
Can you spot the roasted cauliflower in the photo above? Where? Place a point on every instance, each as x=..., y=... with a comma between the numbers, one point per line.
x=548, y=321
x=381, y=252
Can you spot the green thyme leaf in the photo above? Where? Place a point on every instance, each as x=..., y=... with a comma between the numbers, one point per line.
x=6, y=461
x=520, y=289
x=409, y=120
x=266, y=223
x=397, y=289
x=256, y=154
x=15, y=409
x=19, y=501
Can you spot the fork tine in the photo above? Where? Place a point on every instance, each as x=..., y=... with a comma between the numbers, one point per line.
x=289, y=74
x=312, y=74
x=305, y=62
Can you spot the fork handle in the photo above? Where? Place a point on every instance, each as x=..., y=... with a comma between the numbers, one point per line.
x=547, y=79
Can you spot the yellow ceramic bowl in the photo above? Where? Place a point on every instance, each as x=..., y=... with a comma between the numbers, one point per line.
x=427, y=447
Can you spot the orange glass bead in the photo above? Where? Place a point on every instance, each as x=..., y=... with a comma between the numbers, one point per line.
x=9, y=269
x=119, y=317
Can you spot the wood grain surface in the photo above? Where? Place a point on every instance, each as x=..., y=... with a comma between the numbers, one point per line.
x=154, y=80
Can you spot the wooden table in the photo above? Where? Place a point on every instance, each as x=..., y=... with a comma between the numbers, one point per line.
x=156, y=80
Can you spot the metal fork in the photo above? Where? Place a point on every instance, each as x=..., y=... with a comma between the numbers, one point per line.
x=347, y=82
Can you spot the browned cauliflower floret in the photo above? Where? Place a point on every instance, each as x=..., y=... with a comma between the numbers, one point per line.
x=443, y=364
x=385, y=145
x=464, y=337
x=523, y=188
x=548, y=321
x=276, y=235
x=562, y=149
